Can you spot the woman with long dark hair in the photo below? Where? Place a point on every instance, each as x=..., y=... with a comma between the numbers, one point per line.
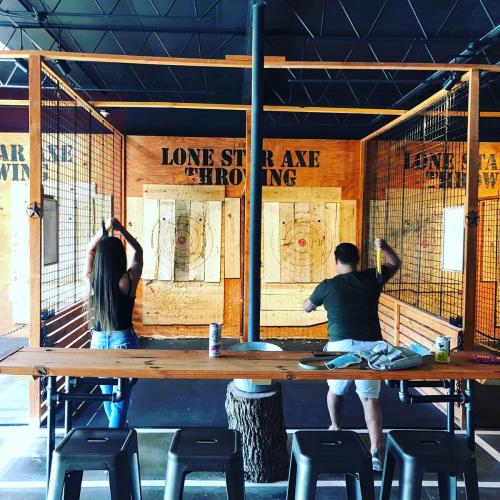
x=111, y=302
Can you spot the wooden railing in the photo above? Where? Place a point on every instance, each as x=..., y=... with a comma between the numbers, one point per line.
x=68, y=328
x=403, y=324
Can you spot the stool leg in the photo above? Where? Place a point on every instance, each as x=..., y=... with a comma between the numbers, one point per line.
x=73, y=484
x=387, y=475
x=447, y=486
x=352, y=487
x=136, y=476
x=305, y=484
x=120, y=482
x=410, y=482
x=174, y=486
x=471, y=484
x=56, y=483
x=235, y=481
x=292, y=477
x=366, y=483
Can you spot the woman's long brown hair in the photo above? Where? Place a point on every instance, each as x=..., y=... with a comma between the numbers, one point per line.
x=110, y=265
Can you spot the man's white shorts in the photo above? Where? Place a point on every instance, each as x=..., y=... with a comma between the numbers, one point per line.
x=369, y=389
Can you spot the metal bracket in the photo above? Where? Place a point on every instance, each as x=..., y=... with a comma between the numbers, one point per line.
x=472, y=218
x=34, y=210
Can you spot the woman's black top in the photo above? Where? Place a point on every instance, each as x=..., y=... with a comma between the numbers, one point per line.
x=125, y=308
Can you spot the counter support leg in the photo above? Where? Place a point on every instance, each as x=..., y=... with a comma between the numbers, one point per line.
x=469, y=412
x=51, y=424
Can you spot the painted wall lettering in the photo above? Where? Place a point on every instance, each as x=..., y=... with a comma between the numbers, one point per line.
x=203, y=166
x=449, y=171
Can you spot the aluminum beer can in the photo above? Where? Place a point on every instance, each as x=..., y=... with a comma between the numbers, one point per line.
x=442, y=350
x=214, y=340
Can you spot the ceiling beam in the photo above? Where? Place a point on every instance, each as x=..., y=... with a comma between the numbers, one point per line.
x=242, y=61
x=246, y=107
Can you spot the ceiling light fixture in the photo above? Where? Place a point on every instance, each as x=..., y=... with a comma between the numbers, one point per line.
x=450, y=82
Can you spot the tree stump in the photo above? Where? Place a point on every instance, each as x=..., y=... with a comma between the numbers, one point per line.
x=259, y=418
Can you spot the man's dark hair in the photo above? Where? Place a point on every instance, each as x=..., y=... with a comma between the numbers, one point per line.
x=347, y=253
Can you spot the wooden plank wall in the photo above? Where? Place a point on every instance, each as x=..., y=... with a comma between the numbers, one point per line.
x=153, y=165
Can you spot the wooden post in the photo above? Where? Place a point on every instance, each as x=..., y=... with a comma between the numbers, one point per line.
x=361, y=222
x=123, y=152
x=35, y=223
x=248, y=132
x=397, y=321
x=471, y=212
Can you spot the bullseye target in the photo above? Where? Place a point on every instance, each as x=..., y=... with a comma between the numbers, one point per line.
x=192, y=240
x=189, y=234
x=304, y=241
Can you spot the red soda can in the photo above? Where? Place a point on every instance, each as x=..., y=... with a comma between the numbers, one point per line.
x=214, y=339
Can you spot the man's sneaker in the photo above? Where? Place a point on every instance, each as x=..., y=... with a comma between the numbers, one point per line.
x=332, y=428
x=376, y=463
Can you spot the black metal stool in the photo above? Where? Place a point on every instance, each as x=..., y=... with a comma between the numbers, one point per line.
x=195, y=450
x=417, y=452
x=114, y=450
x=318, y=452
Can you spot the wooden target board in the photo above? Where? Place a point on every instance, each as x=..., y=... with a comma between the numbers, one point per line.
x=183, y=230
x=301, y=228
x=299, y=240
x=182, y=236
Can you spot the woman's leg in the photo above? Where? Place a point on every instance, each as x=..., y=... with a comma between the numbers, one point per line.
x=107, y=389
x=100, y=341
x=118, y=411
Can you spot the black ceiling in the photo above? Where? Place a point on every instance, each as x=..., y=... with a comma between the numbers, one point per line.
x=335, y=30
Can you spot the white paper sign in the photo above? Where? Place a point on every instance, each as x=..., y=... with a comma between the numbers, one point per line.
x=452, y=254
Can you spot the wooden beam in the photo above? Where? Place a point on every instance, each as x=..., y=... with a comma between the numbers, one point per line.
x=14, y=102
x=35, y=224
x=408, y=114
x=80, y=100
x=471, y=208
x=245, y=107
x=242, y=61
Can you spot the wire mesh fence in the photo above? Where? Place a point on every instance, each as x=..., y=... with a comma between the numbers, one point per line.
x=414, y=195
x=82, y=185
x=488, y=274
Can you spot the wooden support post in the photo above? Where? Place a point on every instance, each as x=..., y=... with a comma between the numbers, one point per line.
x=248, y=132
x=397, y=321
x=35, y=223
x=471, y=212
x=361, y=219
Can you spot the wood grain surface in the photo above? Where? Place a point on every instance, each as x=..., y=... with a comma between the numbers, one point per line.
x=183, y=364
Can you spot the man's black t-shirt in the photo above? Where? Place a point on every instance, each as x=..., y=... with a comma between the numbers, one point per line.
x=351, y=303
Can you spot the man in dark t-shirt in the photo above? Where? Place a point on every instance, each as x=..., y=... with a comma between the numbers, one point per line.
x=351, y=302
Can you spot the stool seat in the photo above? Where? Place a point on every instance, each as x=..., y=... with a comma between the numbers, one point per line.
x=201, y=450
x=114, y=450
x=318, y=452
x=437, y=449
x=205, y=445
x=417, y=452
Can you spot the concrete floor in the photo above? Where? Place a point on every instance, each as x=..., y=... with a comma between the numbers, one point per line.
x=22, y=469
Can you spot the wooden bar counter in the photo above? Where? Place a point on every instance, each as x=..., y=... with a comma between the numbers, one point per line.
x=188, y=364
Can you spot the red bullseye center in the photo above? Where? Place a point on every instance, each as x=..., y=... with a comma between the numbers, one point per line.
x=302, y=242
x=181, y=240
